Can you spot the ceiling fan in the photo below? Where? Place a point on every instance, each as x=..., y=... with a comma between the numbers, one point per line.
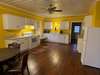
x=52, y=9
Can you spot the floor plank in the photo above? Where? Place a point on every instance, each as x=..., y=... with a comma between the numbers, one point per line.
x=57, y=59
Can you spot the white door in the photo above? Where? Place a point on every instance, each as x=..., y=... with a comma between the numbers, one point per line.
x=92, y=53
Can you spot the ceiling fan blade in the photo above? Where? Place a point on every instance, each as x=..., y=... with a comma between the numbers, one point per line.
x=53, y=8
x=57, y=10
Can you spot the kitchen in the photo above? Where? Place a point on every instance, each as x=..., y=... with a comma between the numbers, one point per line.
x=26, y=37
x=25, y=23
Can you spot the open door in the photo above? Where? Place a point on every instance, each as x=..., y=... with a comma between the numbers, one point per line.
x=75, y=31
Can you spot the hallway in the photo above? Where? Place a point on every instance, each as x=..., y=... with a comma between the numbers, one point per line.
x=57, y=59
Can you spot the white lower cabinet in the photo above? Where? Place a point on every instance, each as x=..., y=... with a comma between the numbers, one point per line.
x=66, y=39
x=36, y=42
x=26, y=43
x=59, y=38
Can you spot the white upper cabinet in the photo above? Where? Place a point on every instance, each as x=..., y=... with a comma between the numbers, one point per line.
x=64, y=25
x=28, y=21
x=48, y=25
x=36, y=24
x=13, y=22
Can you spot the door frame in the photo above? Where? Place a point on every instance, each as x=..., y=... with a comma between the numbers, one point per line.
x=71, y=29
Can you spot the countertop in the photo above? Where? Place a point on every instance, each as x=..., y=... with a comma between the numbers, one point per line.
x=20, y=37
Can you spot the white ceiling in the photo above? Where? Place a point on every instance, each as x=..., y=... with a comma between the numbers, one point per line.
x=39, y=7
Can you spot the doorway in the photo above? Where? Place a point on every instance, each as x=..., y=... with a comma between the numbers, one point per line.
x=75, y=31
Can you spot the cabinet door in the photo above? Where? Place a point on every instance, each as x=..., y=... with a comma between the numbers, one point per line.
x=31, y=21
x=51, y=37
x=28, y=21
x=12, y=21
x=48, y=25
x=64, y=25
x=66, y=39
x=60, y=38
x=20, y=22
x=35, y=24
x=24, y=44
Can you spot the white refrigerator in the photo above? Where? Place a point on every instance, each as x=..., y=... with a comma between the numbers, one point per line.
x=91, y=47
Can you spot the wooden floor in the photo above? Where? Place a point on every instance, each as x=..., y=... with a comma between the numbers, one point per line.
x=57, y=59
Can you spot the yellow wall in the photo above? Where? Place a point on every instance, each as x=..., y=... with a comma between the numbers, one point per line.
x=95, y=12
x=1, y=33
x=55, y=26
x=97, y=15
x=56, y=22
x=68, y=18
